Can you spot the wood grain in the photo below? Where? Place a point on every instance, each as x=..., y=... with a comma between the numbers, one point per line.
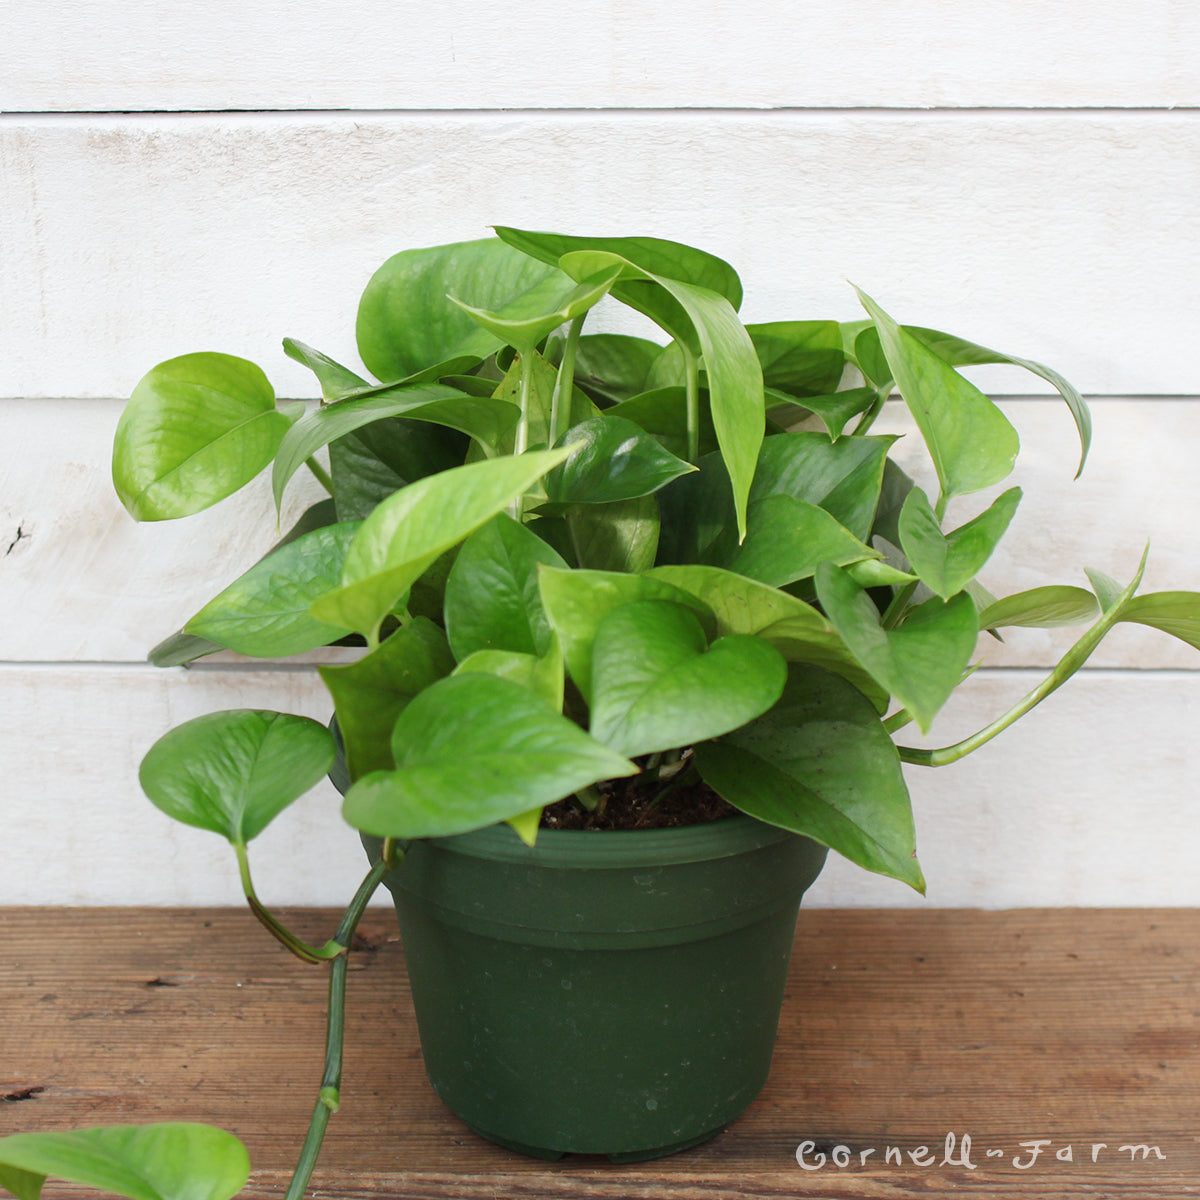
x=1078, y=1027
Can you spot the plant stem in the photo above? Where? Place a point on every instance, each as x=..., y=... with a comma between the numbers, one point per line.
x=335, y=1029
x=300, y=948
x=898, y=607
x=693, y=404
x=321, y=474
x=1067, y=666
x=516, y=506
x=565, y=382
x=868, y=418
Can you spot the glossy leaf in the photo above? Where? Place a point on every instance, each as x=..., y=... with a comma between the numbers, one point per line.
x=406, y=532
x=473, y=750
x=492, y=596
x=620, y=536
x=960, y=353
x=543, y=676
x=844, y=477
x=947, y=562
x=1176, y=613
x=788, y=539
x=233, y=772
x=611, y=459
x=663, y=414
x=486, y=420
x=820, y=763
x=969, y=439
x=922, y=661
x=195, y=430
x=539, y=400
x=264, y=613
x=1041, y=608
x=657, y=684
x=803, y=358
x=529, y=319
x=165, y=1161
x=614, y=366
x=368, y=695
x=834, y=409
x=797, y=630
x=577, y=601
x=405, y=321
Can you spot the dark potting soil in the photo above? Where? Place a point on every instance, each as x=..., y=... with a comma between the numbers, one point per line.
x=630, y=804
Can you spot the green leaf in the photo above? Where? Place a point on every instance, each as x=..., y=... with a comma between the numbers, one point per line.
x=531, y=318
x=1176, y=613
x=167, y=1161
x=406, y=322
x=195, y=430
x=486, y=420
x=613, y=366
x=921, y=662
x=264, y=613
x=611, y=459
x=803, y=358
x=543, y=676
x=834, y=409
x=844, y=477
x=407, y=531
x=946, y=563
x=233, y=772
x=820, y=763
x=657, y=684
x=620, y=536
x=663, y=414
x=797, y=630
x=368, y=695
x=473, y=750
x=492, y=597
x=577, y=601
x=1041, y=608
x=540, y=397
x=1108, y=591
x=960, y=353
x=969, y=439
x=787, y=539
x=335, y=380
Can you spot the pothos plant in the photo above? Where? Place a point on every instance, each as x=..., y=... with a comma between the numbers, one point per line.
x=588, y=571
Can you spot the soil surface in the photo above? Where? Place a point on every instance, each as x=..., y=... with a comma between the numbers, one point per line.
x=634, y=804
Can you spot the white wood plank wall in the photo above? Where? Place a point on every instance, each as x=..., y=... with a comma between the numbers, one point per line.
x=175, y=178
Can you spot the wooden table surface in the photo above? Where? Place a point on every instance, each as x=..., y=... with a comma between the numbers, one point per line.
x=1078, y=1029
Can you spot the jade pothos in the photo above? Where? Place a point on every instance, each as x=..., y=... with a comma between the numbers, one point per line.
x=574, y=558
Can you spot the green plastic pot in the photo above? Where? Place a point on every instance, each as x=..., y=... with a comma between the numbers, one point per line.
x=601, y=993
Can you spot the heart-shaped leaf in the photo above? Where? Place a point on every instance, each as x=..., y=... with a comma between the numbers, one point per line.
x=1041, y=608
x=195, y=430
x=492, y=596
x=406, y=322
x=657, y=684
x=969, y=439
x=486, y=420
x=787, y=539
x=234, y=772
x=611, y=459
x=531, y=318
x=947, y=562
x=473, y=750
x=820, y=763
x=544, y=676
x=407, y=531
x=797, y=630
x=264, y=613
x=620, y=536
x=577, y=601
x=368, y=695
x=166, y=1161
x=921, y=662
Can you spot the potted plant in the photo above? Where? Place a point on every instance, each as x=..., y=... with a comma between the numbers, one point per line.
x=638, y=622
